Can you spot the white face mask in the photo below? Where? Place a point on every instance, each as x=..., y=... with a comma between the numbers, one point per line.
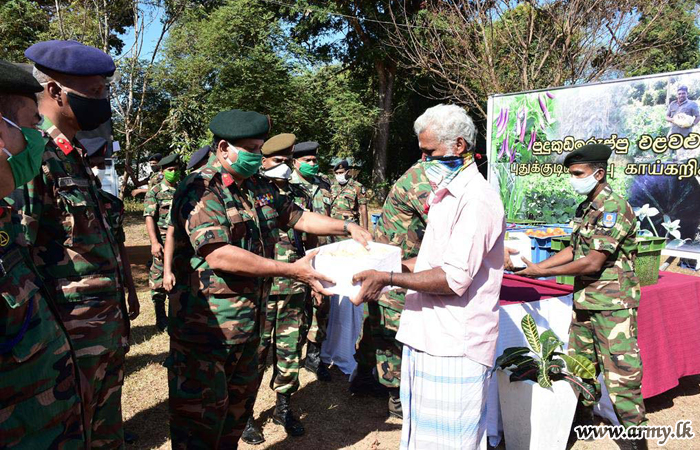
x=279, y=172
x=340, y=178
x=584, y=186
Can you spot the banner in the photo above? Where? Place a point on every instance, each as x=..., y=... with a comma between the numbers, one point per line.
x=651, y=123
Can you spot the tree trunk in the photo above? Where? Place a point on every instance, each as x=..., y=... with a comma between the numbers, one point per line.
x=386, y=72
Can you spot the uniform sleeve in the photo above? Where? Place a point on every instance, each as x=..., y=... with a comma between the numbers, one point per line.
x=150, y=204
x=37, y=196
x=361, y=195
x=610, y=228
x=288, y=211
x=204, y=217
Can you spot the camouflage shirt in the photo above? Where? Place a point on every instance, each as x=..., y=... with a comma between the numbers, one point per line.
x=318, y=194
x=67, y=225
x=154, y=178
x=346, y=200
x=606, y=224
x=115, y=215
x=286, y=250
x=157, y=203
x=402, y=222
x=210, y=306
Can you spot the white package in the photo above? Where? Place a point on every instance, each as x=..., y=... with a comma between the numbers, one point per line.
x=522, y=243
x=341, y=260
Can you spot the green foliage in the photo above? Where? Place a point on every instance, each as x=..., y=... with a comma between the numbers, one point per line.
x=22, y=22
x=133, y=205
x=549, y=199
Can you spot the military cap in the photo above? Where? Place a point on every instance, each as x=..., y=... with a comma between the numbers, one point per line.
x=15, y=80
x=155, y=157
x=198, y=156
x=282, y=144
x=343, y=163
x=237, y=124
x=170, y=160
x=335, y=161
x=94, y=145
x=591, y=153
x=71, y=57
x=305, y=149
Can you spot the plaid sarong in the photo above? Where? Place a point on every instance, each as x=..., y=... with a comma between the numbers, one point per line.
x=443, y=400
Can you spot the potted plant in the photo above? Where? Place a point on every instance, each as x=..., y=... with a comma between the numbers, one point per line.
x=538, y=388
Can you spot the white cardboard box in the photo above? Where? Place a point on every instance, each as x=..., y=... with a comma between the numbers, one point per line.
x=341, y=260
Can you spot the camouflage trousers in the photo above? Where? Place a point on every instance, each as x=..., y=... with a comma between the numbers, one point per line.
x=283, y=328
x=377, y=344
x=97, y=330
x=39, y=402
x=317, y=318
x=212, y=391
x=155, y=281
x=609, y=340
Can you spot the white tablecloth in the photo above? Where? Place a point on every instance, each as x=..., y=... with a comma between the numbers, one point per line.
x=344, y=326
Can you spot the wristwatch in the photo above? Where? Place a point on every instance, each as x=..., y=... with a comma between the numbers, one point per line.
x=347, y=224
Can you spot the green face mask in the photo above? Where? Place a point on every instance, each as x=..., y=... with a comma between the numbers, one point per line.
x=26, y=164
x=307, y=170
x=171, y=176
x=247, y=164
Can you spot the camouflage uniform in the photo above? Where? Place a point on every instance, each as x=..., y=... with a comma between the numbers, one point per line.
x=214, y=319
x=346, y=200
x=76, y=253
x=319, y=191
x=284, y=323
x=154, y=178
x=402, y=223
x=156, y=204
x=39, y=393
x=604, y=324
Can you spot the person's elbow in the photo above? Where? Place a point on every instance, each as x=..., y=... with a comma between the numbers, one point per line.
x=214, y=256
x=592, y=265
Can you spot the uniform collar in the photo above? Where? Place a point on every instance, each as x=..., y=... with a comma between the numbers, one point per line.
x=58, y=137
x=599, y=199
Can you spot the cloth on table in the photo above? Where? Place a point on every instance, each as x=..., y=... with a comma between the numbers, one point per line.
x=344, y=326
x=443, y=400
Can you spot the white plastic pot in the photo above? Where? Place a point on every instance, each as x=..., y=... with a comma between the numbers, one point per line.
x=535, y=417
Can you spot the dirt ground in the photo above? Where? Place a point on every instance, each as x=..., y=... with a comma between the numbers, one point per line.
x=332, y=417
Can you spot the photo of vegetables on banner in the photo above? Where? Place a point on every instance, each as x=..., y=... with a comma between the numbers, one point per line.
x=650, y=122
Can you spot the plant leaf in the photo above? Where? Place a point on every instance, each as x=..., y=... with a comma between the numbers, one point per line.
x=556, y=366
x=550, y=342
x=580, y=366
x=510, y=354
x=527, y=372
x=531, y=334
x=543, y=376
x=585, y=389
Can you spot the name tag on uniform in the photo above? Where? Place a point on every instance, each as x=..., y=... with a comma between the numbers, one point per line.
x=609, y=219
x=69, y=181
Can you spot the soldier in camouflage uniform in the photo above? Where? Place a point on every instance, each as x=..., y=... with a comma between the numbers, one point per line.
x=154, y=178
x=39, y=392
x=318, y=190
x=606, y=289
x=227, y=220
x=402, y=223
x=156, y=209
x=284, y=316
x=71, y=240
x=348, y=196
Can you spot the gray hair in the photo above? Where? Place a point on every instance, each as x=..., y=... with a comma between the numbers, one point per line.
x=448, y=122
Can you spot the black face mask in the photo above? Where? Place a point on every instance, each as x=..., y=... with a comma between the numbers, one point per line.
x=89, y=112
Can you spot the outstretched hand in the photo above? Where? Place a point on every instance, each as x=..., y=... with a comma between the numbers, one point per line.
x=372, y=284
x=359, y=234
x=531, y=271
x=303, y=271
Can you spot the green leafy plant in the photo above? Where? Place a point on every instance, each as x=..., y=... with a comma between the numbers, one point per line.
x=543, y=362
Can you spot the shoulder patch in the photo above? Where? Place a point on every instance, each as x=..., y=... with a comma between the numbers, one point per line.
x=609, y=219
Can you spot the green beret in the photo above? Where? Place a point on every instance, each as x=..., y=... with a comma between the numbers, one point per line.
x=15, y=80
x=591, y=153
x=170, y=160
x=237, y=124
x=282, y=143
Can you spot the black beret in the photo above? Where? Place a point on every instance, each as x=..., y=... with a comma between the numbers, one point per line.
x=170, y=160
x=591, y=153
x=198, y=156
x=155, y=157
x=343, y=163
x=71, y=57
x=15, y=80
x=282, y=143
x=237, y=124
x=305, y=149
x=94, y=145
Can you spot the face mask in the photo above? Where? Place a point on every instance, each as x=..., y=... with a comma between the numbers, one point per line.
x=171, y=176
x=26, y=164
x=279, y=172
x=441, y=170
x=584, y=186
x=307, y=170
x=89, y=112
x=340, y=178
x=247, y=164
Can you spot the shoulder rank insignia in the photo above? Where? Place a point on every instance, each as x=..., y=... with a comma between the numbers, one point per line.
x=609, y=219
x=64, y=144
x=227, y=179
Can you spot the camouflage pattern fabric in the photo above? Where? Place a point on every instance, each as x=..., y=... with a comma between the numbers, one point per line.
x=346, y=200
x=609, y=340
x=402, y=223
x=607, y=224
x=212, y=391
x=77, y=255
x=115, y=215
x=39, y=395
x=154, y=178
x=157, y=204
x=214, y=316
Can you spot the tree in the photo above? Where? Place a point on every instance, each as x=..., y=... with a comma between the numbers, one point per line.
x=22, y=22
